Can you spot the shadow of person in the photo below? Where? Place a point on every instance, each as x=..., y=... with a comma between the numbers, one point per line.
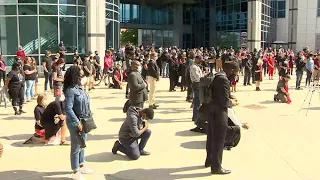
x=17, y=137
x=106, y=157
x=268, y=102
x=96, y=137
x=117, y=119
x=18, y=118
x=194, y=145
x=161, y=174
x=31, y=175
x=112, y=108
x=188, y=133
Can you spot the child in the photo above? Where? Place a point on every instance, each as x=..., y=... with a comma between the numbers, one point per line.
x=234, y=84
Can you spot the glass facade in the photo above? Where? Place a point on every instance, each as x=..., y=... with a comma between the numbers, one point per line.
x=146, y=14
x=230, y=21
x=112, y=24
x=39, y=25
x=160, y=38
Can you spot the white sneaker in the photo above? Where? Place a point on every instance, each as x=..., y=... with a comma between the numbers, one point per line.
x=86, y=170
x=78, y=176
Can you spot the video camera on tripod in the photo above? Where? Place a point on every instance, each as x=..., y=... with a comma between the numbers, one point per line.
x=315, y=87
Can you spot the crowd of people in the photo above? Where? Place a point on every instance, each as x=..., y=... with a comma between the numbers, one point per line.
x=207, y=75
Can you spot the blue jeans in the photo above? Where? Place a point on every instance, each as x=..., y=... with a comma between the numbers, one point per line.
x=165, y=69
x=299, y=74
x=29, y=89
x=196, y=101
x=76, y=154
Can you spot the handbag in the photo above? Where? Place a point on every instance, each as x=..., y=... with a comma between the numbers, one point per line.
x=88, y=123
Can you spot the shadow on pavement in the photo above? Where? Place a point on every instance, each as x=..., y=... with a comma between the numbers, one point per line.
x=312, y=108
x=117, y=119
x=194, y=145
x=18, y=118
x=112, y=108
x=169, y=97
x=31, y=175
x=17, y=137
x=163, y=174
x=177, y=120
x=188, y=133
x=96, y=137
x=268, y=102
x=105, y=157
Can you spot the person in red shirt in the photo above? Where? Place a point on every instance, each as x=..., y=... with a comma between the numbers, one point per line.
x=270, y=66
x=21, y=53
x=316, y=71
x=116, y=78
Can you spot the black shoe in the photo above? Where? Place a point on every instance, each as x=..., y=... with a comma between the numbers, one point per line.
x=152, y=107
x=249, y=84
x=144, y=153
x=115, y=147
x=22, y=111
x=207, y=163
x=221, y=171
x=17, y=113
x=196, y=129
x=228, y=148
x=244, y=84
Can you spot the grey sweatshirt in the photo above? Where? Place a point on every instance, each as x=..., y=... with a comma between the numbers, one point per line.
x=131, y=124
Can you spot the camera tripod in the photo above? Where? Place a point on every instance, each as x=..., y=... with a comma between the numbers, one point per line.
x=314, y=87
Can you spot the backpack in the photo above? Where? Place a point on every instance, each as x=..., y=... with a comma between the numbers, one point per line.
x=205, y=94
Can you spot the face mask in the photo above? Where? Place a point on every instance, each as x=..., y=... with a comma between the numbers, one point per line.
x=139, y=69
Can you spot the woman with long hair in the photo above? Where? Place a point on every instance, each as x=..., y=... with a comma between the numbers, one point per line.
x=30, y=77
x=15, y=84
x=38, y=112
x=34, y=64
x=57, y=78
x=77, y=105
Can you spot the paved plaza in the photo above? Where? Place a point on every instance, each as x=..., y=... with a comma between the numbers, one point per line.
x=281, y=144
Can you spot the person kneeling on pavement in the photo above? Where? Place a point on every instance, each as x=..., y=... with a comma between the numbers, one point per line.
x=283, y=90
x=133, y=128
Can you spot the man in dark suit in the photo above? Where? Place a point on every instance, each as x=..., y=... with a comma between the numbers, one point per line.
x=218, y=116
x=138, y=92
x=153, y=77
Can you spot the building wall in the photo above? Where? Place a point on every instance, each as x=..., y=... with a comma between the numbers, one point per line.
x=282, y=29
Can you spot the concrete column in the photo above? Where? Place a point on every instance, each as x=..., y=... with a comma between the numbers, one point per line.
x=96, y=26
x=177, y=24
x=254, y=24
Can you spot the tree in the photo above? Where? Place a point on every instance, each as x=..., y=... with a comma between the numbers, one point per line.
x=129, y=35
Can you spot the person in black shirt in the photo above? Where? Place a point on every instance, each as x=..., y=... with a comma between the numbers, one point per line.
x=53, y=118
x=173, y=71
x=47, y=69
x=218, y=116
x=30, y=77
x=183, y=73
x=87, y=71
x=57, y=79
x=247, y=64
x=38, y=112
x=15, y=84
x=97, y=65
x=300, y=62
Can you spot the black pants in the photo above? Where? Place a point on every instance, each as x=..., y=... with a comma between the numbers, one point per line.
x=173, y=77
x=309, y=76
x=127, y=90
x=48, y=79
x=189, y=92
x=247, y=76
x=265, y=68
x=17, y=96
x=252, y=75
x=217, y=131
x=131, y=148
x=2, y=77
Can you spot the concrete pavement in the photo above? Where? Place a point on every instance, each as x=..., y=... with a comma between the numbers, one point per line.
x=282, y=142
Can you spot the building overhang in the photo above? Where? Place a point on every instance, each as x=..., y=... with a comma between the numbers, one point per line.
x=161, y=2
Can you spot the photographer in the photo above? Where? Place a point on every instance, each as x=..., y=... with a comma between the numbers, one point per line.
x=133, y=128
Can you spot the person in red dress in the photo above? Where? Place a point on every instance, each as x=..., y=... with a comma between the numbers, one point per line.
x=270, y=66
x=20, y=53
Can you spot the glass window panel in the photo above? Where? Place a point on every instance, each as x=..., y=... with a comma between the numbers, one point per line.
x=109, y=6
x=244, y=7
x=116, y=16
x=281, y=5
x=116, y=8
x=8, y=10
x=48, y=33
x=8, y=60
x=318, y=12
x=109, y=34
x=81, y=11
x=68, y=32
x=26, y=1
x=109, y=14
x=67, y=1
x=116, y=2
x=116, y=35
x=27, y=9
x=8, y=35
x=30, y=42
x=48, y=10
x=49, y=1
x=82, y=40
x=67, y=10
x=81, y=2
x=281, y=14
x=110, y=1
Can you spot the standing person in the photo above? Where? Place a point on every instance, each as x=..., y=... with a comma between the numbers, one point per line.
x=34, y=64
x=173, y=71
x=300, y=64
x=20, y=53
x=153, y=77
x=254, y=58
x=258, y=74
x=189, y=62
x=87, y=72
x=30, y=78
x=316, y=71
x=309, y=69
x=77, y=104
x=138, y=92
x=247, y=64
x=130, y=56
x=182, y=72
x=144, y=72
x=271, y=66
x=97, y=65
x=15, y=84
x=3, y=70
x=47, y=69
x=195, y=75
x=218, y=117
x=108, y=63
x=165, y=58
x=62, y=50
x=58, y=79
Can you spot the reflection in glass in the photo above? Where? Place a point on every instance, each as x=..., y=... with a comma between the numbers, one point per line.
x=8, y=60
x=109, y=14
x=49, y=1
x=25, y=1
x=67, y=10
x=81, y=11
x=48, y=33
x=8, y=35
x=8, y=10
x=28, y=30
x=82, y=40
x=109, y=34
x=67, y=1
x=68, y=33
x=27, y=9
x=48, y=10
x=81, y=2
